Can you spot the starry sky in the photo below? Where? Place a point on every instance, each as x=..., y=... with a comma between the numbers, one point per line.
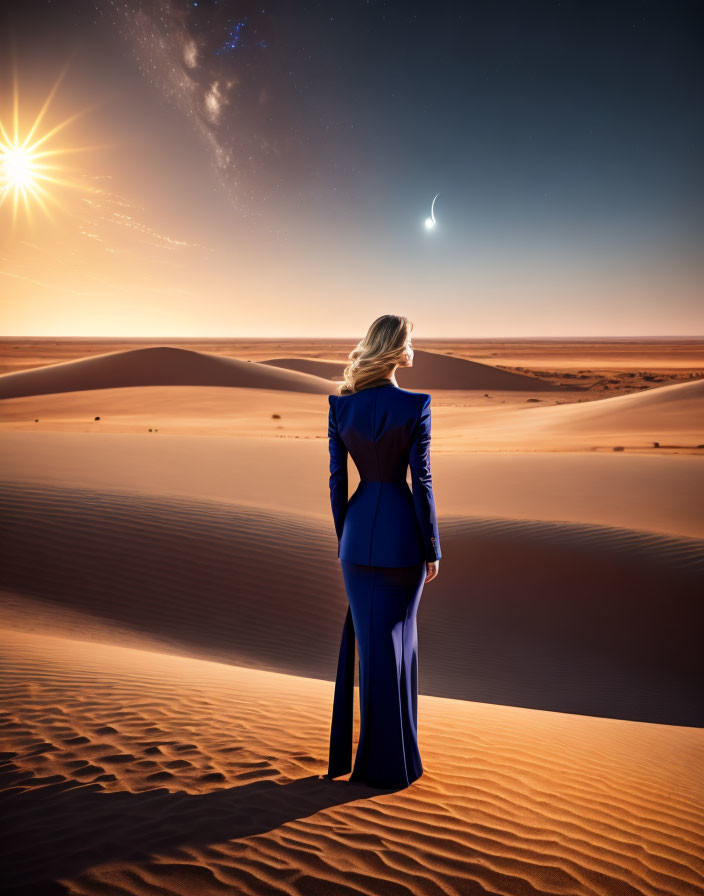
x=247, y=169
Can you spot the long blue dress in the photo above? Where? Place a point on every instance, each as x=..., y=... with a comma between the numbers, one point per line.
x=386, y=533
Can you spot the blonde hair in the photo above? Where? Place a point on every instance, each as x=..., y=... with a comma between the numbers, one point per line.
x=376, y=355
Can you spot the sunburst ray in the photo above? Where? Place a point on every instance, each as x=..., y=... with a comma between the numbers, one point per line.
x=27, y=162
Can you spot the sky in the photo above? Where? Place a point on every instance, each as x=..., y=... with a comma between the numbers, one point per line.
x=266, y=169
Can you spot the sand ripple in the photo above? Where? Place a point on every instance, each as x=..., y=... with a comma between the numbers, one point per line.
x=511, y=801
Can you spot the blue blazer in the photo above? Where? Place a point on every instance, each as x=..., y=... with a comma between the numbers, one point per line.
x=385, y=429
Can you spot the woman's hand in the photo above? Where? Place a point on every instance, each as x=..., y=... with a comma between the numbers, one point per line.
x=432, y=568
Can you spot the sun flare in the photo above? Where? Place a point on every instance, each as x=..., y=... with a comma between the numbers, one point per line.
x=28, y=162
x=18, y=167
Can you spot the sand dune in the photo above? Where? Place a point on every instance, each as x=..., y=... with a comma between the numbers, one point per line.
x=263, y=589
x=143, y=773
x=463, y=422
x=153, y=367
x=655, y=493
x=669, y=415
x=623, y=412
x=434, y=370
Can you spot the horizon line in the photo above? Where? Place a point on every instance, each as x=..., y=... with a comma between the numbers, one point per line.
x=356, y=338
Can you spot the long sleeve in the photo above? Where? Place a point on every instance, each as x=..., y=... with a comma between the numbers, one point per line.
x=423, y=498
x=338, y=471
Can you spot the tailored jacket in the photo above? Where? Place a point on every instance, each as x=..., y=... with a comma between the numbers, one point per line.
x=385, y=429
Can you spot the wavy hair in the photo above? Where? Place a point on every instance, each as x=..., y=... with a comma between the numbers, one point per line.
x=376, y=355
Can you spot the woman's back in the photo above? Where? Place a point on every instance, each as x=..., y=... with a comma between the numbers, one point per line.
x=385, y=429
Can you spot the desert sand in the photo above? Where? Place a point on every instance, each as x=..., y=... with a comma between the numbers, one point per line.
x=172, y=604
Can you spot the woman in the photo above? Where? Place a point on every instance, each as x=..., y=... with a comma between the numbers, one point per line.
x=388, y=545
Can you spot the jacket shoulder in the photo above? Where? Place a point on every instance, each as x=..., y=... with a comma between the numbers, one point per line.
x=423, y=399
x=415, y=403
x=420, y=396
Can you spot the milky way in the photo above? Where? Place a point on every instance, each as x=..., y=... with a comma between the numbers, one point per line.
x=230, y=69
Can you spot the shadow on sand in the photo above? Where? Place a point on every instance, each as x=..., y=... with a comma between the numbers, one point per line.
x=59, y=831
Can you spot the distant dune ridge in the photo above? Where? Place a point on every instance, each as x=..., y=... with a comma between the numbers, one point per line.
x=329, y=370
x=159, y=366
x=434, y=370
x=166, y=366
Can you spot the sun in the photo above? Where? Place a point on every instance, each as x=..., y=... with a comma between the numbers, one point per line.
x=28, y=162
x=18, y=167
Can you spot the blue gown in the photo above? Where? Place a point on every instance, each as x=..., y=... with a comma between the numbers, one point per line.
x=386, y=533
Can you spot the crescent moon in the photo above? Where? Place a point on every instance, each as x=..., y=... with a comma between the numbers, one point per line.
x=432, y=207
